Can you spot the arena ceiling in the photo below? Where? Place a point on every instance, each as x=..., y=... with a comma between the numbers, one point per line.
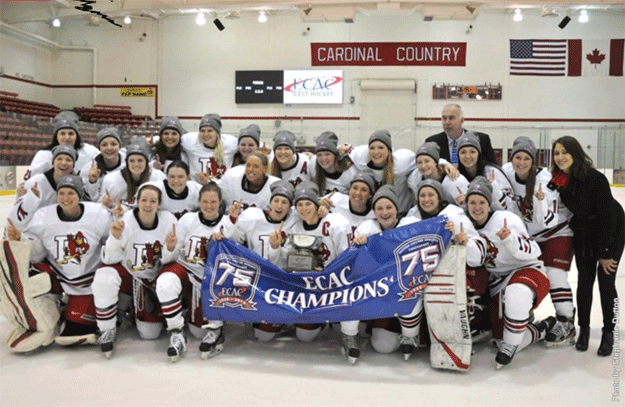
x=14, y=12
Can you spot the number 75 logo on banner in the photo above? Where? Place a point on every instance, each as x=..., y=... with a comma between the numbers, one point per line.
x=416, y=260
x=233, y=282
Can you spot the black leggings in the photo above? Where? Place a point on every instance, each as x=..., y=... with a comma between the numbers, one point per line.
x=587, y=269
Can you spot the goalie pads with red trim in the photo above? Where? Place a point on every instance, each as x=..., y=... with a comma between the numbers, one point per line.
x=25, y=300
x=446, y=311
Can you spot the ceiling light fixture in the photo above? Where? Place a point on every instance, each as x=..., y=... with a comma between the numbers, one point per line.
x=56, y=23
x=583, y=16
x=127, y=20
x=517, y=15
x=200, y=19
x=262, y=17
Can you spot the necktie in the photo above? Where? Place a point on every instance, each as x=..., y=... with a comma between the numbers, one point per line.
x=454, y=153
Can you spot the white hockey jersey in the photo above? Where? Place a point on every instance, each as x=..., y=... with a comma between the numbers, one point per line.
x=115, y=184
x=451, y=187
x=92, y=191
x=253, y=227
x=193, y=233
x=232, y=189
x=202, y=158
x=72, y=246
x=502, y=257
x=339, y=181
x=141, y=251
x=547, y=218
x=343, y=207
x=42, y=161
x=179, y=204
x=457, y=215
x=26, y=205
x=298, y=172
x=333, y=229
x=404, y=164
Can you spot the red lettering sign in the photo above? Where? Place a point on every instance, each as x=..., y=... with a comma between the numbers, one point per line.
x=388, y=53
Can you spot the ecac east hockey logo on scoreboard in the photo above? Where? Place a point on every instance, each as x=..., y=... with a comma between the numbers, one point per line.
x=233, y=282
x=416, y=260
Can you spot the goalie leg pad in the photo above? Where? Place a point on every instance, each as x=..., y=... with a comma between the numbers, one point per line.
x=446, y=309
x=24, y=301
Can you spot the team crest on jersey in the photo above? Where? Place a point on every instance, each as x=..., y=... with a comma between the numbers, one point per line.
x=197, y=250
x=416, y=259
x=73, y=247
x=322, y=254
x=211, y=166
x=233, y=282
x=527, y=211
x=146, y=256
x=491, y=252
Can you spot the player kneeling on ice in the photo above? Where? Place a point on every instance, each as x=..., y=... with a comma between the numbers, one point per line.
x=384, y=337
x=65, y=242
x=517, y=279
x=183, y=279
x=431, y=202
x=140, y=242
x=331, y=237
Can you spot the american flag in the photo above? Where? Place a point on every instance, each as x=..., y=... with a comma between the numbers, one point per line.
x=538, y=57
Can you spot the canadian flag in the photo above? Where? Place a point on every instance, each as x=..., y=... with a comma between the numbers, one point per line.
x=596, y=57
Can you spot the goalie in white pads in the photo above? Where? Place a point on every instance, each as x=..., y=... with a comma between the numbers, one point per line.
x=69, y=240
x=25, y=300
x=452, y=320
x=517, y=278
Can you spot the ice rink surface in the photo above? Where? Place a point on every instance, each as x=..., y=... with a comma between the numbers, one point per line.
x=286, y=372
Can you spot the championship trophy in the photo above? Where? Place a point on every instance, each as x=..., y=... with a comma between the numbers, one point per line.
x=302, y=257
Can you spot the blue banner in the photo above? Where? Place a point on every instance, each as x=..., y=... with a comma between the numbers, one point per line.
x=381, y=279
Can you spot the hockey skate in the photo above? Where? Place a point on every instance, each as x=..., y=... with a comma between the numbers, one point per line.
x=349, y=348
x=408, y=345
x=106, y=340
x=177, y=345
x=213, y=343
x=543, y=327
x=505, y=354
x=562, y=333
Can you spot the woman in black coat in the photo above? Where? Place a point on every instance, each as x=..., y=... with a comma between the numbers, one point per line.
x=598, y=224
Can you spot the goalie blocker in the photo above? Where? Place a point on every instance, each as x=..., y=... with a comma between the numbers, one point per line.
x=25, y=300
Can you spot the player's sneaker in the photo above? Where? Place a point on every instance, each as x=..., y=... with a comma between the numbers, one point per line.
x=562, y=333
x=505, y=354
x=212, y=343
x=177, y=345
x=106, y=340
x=407, y=345
x=349, y=348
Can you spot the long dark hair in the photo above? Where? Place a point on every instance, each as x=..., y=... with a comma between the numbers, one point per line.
x=131, y=185
x=481, y=166
x=55, y=141
x=342, y=164
x=582, y=163
x=164, y=153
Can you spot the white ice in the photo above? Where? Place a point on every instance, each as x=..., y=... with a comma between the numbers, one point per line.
x=288, y=372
